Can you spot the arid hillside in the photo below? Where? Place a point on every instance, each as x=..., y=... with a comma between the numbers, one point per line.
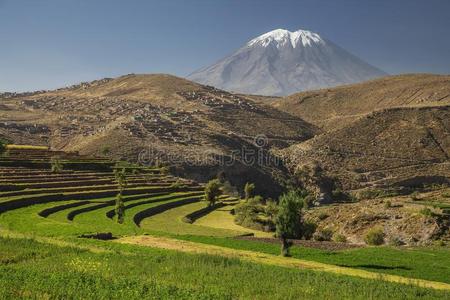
x=336, y=107
x=391, y=147
x=140, y=117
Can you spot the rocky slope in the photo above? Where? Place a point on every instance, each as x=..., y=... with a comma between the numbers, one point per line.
x=157, y=119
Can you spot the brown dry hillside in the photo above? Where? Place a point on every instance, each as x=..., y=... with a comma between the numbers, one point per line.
x=398, y=146
x=336, y=107
x=187, y=124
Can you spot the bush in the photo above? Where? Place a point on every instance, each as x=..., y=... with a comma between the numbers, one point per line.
x=324, y=234
x=426, y=212
x=178, y=185
x=248, y=190
x=308, y=229
x=247, y=214
x=56, y=164
x=105, y=151
x=322, y=215
x=387, y=204
x=338, y=195
x=375, y=236
x=2, y=147
x=339, y=238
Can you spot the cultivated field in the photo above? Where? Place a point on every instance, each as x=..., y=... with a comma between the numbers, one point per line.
x=169, y=246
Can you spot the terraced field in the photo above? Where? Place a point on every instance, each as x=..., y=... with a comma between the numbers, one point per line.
x=50, y=211
x=82, y=195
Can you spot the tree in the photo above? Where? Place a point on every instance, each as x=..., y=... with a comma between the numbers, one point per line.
x=56, y=164
x=121, y=180
x=288, y=220
x=213, y=191
x=248, y=190
x=120, y=209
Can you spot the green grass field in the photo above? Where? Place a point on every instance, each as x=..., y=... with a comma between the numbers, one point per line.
x=43, y=257
x=30, y=269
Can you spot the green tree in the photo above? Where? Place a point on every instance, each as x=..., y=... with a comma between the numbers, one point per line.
x=213, y=191
x=249, y=188
x=121, y=179
x=120, y=209
x=288, y=220
x=56, y=164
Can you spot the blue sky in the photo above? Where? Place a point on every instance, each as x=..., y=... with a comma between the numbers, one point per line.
x=52, y=43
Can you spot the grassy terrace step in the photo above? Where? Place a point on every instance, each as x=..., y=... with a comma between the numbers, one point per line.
x=79, y=189
x=106, y=176
x=111, y=213
x=137, y=219
x=77, y=203
x=171, y=221
x=157, y=200
x=20, y=202
x=89, y=207
x=55, y=175
x=74, y=165
x=192, y=216
x=89, y=182
x=51, y=210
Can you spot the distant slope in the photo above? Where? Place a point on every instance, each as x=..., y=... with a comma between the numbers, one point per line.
x=138, y=117
x=337, y=107
x=404, y=146
x=281, y=62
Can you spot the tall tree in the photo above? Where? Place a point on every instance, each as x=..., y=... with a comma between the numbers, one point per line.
x=288, y=219
x=121, y=180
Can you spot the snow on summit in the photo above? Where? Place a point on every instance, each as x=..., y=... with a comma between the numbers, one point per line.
x=282, y=36
x=281, y=62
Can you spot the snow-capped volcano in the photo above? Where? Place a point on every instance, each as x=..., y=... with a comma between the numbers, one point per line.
x=281, y=37
x=282, y=62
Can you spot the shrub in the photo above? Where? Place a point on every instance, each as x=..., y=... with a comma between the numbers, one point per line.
x=213, y=191
x=247, y=214
x=324, y=234
x=105, y=151
x=426, y=212
x=248, y=190
x=375, y=236
x=387, y=204
x=308, y=229
x=339, y=238
x=56, y=164
x=271, y=210
x=322, y=215
x=288, y=220
x=338, y=195
x=178, y=185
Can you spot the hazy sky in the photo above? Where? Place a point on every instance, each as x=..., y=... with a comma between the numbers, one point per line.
x=52, y=43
